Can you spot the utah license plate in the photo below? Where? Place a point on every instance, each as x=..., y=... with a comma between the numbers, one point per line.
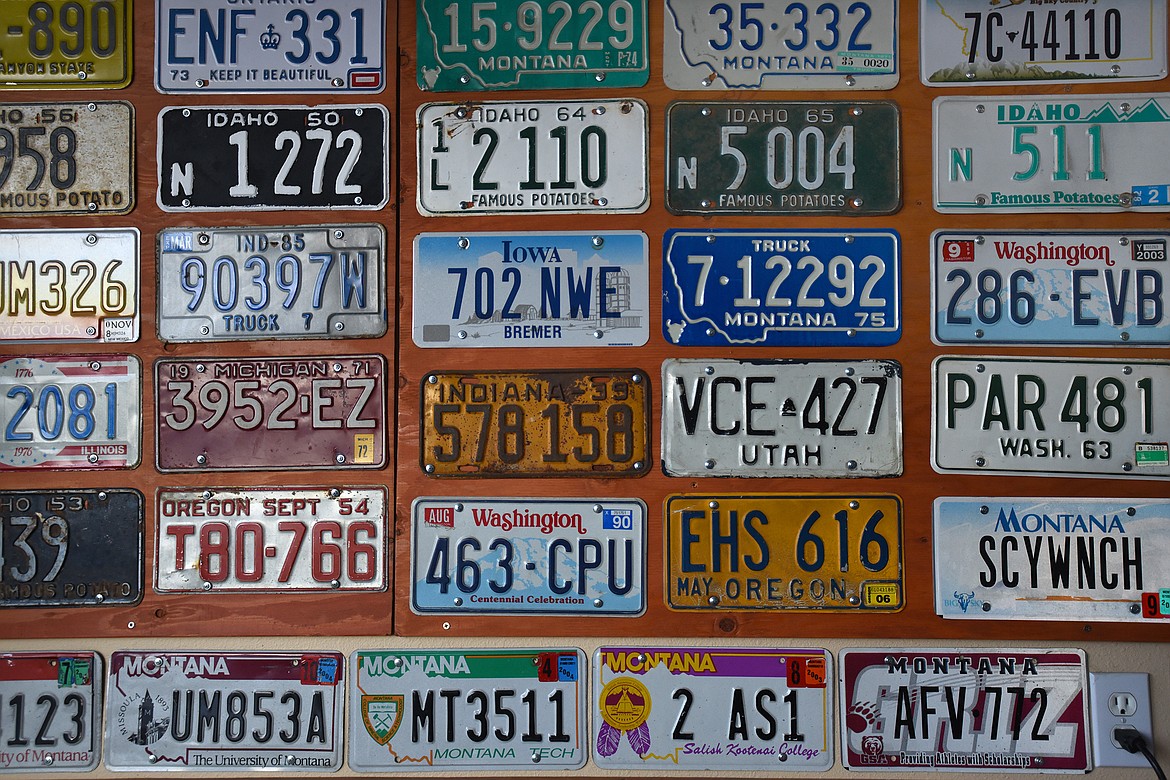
x=270, y=540
x=781, y=418
x=528, y=289
x=56, y=44
x=54, y=701
x=307, y=281
x=219, y=414
x=565, y=156
x=723, y=287
x=1051, y=416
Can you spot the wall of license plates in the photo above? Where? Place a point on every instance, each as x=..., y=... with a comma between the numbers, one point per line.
x=628, y=385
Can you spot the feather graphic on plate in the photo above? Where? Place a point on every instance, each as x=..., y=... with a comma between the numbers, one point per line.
x=625, y=706
x=639, y=739
x=608, y=739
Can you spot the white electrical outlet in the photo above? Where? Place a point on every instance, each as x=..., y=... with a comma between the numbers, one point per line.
x=1119, y=699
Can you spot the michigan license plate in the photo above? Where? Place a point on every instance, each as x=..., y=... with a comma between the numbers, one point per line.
x=54, y=702
x=51, y=44
x=219, y=414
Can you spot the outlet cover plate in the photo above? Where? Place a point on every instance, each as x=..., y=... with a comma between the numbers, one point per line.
x=1102, y=686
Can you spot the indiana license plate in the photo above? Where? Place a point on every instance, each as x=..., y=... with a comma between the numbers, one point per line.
x=781, y=418
x=1051, y=416
x=565, y=156
x=963, y=709
x=307, y=281
x=723, y=287
x=56, y=44
x=53, y=702
x=219, y=414
x=1000, y=287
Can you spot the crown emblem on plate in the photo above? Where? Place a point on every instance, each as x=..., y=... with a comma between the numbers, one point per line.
x=269, y=39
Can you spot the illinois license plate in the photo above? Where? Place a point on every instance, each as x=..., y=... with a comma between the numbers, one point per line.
x=548, y=423
x=220, y=46
x=1000, y=287
x=528, y=289
x=959, y=709
x=50, y=44
x=1051, y=416
x=70, y=412
x=254, y=539
x=565, y=156
x=781, y=418
x=307, y=281
x=216, y=711
x=723, y=287
x=533, y=45
x=218, y=414
x=466, y=709
x=225, y=158
x=53, y=702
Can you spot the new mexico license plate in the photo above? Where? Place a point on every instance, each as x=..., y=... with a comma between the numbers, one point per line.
x=54, y=702
x=55, y=44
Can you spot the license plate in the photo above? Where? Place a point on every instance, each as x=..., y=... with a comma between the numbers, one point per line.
x=812, y=46
x=1000, y=287
x=565, y=156
x=70, y=285
x=781, y=418
x=1051, y=416
x=963, y=709
x=531, y=45
x=54, y=702
x=220, y=46
x=218, y=711
x=424, y=710
x=1035, y=153
x=815, y=288
x=712, y=708
x=225, y=158
x=65, y=45
x=528, y=289
x=548, y=423
x=66, y=158
x=216, y=414
x=825, y=157
x=246, y=540
x=70, y=412
x=306, y=281
x=1009, y=43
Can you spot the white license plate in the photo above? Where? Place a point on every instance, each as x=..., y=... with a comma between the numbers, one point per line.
x=569, y=156
x=781, y=418
x=253, y=539
x=51, y=716
x=1051, y=416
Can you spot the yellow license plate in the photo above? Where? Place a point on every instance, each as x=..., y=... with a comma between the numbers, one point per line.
x=65, y=44
x=797, y=551
x=557, y=423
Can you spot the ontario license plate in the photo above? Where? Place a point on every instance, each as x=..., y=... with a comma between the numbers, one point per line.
x=253, y=539
x=424, y=710
x=50, y=44
x=225, y=158
x=54, y=702
x=565, y=156
x=712, y=708
x=224, y=711
x=999, y=287
x=307, y=281
x=219, y=414
x=218, y=46
x=781, y=418
x=723, y=287
x=963, y=709
x=1051, y=416
x=70, y=412
x=532, y=45
x=530, y=289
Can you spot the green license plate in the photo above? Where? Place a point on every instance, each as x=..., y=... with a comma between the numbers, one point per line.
x=65, y=45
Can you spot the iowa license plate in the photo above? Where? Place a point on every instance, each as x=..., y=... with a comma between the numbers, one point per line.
x=50, y=44
x=52, y=711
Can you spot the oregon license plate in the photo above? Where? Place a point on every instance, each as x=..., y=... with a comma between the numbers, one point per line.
x=723, y=287
x=1051, y=416
x=454, y=709
x=218, y=414
x=52, y=711
x=781, y=418
x=51, y=44
x=1000, y=287
x=306, y=281
x=565, y=156
x=549, y=423
x=527, y=289
x=963, y=709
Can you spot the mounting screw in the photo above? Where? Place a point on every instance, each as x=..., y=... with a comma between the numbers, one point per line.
x=339, y=459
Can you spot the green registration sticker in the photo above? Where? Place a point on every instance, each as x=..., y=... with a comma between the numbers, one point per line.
x=1152, y=454
x=65, y=44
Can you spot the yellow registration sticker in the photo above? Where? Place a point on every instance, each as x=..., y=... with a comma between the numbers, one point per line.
x=65, y=44
x=363, y=448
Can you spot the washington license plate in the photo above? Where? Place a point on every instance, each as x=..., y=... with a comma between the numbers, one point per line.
x=54, y=702
x=56, y=44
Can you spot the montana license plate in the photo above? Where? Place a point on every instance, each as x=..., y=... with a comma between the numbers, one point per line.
x=53, y=702
x=55, y=44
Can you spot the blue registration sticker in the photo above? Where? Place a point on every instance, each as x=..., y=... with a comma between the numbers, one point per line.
x=1151, y=195
x=567, y=670
x=617, y=519
x=1164, y=601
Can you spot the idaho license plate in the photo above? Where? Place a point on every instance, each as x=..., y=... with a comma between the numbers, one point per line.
x=56, y=44
x=963, y=709
x=216, y=414
x=54, y=702
x=308, y=281
x=723, y=287
x=426, y=710
x=1051, y=416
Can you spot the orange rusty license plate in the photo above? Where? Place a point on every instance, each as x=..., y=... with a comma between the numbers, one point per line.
x=515, y=423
